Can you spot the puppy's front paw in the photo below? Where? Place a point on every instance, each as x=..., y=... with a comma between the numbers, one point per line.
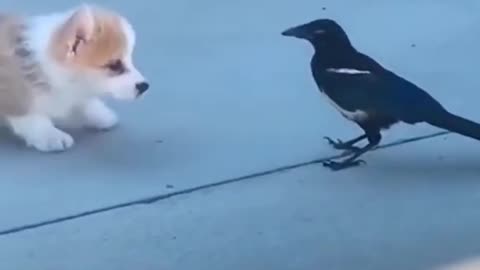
x=39, y=132
x=98, y=116
x=52, y=140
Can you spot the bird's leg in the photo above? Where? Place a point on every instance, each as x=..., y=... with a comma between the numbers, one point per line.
x=348, y=145
x=353, y=160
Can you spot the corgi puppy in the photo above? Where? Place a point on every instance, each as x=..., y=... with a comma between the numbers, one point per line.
x=56, y=68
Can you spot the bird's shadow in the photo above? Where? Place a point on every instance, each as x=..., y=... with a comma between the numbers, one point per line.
x=383, y=159
x=421, y=164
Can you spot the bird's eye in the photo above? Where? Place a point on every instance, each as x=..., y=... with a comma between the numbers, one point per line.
x=116, y=66
x=319, y=31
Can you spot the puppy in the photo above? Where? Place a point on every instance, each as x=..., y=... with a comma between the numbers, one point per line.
x=56, y=68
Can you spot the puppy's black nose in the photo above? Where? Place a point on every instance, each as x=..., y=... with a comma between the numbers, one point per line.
x=142, y=87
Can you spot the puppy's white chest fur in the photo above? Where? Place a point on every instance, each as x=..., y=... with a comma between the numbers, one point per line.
x=58, y=103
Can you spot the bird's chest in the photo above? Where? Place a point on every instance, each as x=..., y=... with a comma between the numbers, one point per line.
x=337, y=100
x=335, y=92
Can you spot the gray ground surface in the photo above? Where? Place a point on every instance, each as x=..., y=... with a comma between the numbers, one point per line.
x=231, y=97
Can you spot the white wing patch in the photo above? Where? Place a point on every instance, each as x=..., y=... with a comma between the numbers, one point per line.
x=356, y=116
x=348, y=71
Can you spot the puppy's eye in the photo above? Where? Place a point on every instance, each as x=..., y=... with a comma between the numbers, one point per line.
x=116, y=66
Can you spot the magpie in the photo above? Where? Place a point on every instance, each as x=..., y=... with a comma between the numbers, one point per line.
x=367, y=93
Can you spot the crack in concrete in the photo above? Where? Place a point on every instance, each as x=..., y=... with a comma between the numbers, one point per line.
x=154, y=199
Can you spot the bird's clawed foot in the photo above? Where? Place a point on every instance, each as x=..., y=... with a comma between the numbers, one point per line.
x=340, y=145
x=336, y=166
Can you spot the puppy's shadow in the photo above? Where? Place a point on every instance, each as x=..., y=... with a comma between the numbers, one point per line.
x=9, y=142
x=115, y=149
x=122, y=150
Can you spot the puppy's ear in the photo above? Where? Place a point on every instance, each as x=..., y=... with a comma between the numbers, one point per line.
x=78, y=30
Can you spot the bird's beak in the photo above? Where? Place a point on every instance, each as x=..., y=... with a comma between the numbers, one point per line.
x=289, y=32
x=297, y=32
x=293, y=32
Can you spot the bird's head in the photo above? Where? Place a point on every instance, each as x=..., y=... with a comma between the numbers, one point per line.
x=319, y=32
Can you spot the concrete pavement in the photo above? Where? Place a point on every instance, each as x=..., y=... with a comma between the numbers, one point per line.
x=301, y=219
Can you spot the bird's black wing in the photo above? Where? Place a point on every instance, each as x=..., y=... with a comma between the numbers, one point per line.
x=365, y=85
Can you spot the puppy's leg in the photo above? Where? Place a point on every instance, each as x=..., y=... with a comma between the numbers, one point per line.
x=95, y=114
x=39, y=132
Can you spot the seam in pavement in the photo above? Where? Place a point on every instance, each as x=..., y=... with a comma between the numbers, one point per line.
x=154, y=199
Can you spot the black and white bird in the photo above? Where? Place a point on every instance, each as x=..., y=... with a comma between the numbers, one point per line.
x=367, y=93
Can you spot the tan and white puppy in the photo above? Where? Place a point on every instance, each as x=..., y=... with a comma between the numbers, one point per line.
x=55, y=68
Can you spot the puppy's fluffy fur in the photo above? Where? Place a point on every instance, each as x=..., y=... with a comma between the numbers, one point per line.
x=55, y=68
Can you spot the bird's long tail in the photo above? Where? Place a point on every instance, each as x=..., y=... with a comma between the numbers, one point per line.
x=457, y=124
